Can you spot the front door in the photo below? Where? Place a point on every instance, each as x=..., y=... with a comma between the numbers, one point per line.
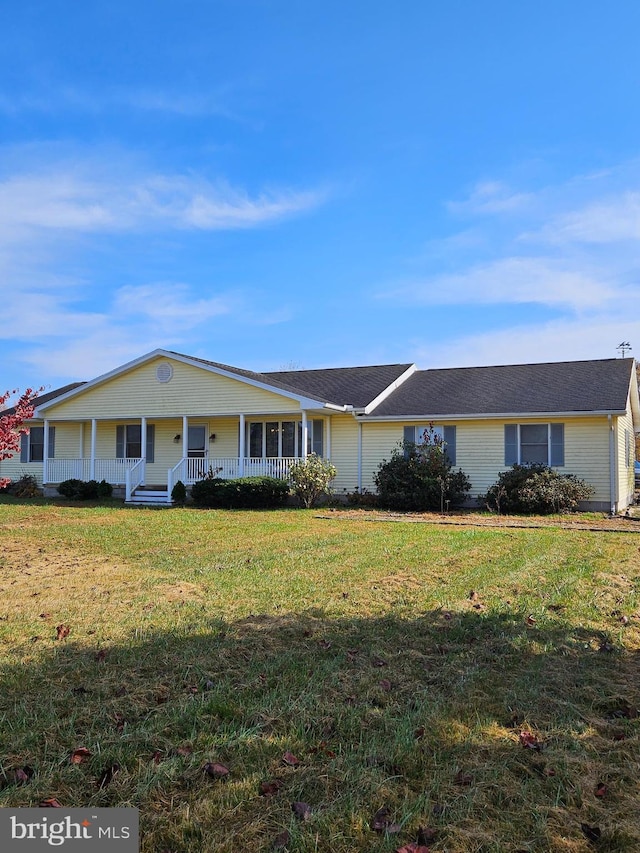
x=197, y=449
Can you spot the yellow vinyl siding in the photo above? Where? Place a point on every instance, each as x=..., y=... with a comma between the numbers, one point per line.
x=625, y=473
x=191, y=391
x=480, y=450
x=344, y=453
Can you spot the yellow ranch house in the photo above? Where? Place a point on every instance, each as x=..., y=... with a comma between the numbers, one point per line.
x=166, y=417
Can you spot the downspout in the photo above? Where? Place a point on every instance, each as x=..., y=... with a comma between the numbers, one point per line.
x=612, y=467
x=360, y=456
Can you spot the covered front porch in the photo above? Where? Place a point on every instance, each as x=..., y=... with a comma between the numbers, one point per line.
x=158, y=452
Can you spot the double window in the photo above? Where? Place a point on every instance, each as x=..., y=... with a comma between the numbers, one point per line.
x=129, y=441
x=534, y=444
x=32, y=444
x=424, y=433
x=278, y=439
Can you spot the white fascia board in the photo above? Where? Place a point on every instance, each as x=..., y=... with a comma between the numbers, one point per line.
x=503, y=416
x=305, y=402
x=389, y=389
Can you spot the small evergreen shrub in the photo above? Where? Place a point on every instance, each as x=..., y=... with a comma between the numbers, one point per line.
x=179, y=493
x=244, y=493
x=419, y=477
x=105, y=490
x=311, y=479
x=535, y=489
x=81, y=490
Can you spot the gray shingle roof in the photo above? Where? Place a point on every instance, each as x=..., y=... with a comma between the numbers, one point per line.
x=570, y=386
x=355, y=386
x=343, y=386
x=50, y=395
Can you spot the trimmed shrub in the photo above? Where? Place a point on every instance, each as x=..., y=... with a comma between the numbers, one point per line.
x=179, y=493
x=311, y=479
x=419, y=477
x=81, y=490
x=244, y=493
x=535, y=489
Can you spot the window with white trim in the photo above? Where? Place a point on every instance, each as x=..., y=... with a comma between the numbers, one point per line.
x=283, y=439
x=534, y=444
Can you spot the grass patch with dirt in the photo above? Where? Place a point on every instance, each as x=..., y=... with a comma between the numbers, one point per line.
x=258, y=681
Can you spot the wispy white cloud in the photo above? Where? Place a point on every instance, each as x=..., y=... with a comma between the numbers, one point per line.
x=612, y=220
x=569, y=338
x=71, y=201
x=491, y=197
x=512, y=280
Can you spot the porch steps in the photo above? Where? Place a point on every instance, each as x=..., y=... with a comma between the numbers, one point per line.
x=149, y=497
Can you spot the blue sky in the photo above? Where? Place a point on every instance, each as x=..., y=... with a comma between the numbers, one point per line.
x=295, y=183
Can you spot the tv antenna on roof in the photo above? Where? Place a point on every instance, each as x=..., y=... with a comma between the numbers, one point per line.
x=623, y=348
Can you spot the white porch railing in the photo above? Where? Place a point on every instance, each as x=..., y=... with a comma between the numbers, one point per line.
x=228, y=468
x=134, y=477
x=112, y=470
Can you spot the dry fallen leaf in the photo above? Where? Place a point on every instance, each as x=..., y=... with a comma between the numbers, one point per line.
x=281, y=840
x=50, y=803
x=593, y=833
x=530, y=741
x=301, y=810
x=269, y=789
x=215, y=771
x=381, y=819
x=289, y=759
x=601, y=790
x=463, y=779
x=62, y=631
x=79, y=755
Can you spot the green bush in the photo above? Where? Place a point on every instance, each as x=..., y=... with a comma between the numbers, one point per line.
x=244, y=493
x=311, y=478
x=81, y=490
x=419, y=477
x=535, y=489
x=179, y=493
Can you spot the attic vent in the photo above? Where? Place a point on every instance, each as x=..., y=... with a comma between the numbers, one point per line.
x=164, y=372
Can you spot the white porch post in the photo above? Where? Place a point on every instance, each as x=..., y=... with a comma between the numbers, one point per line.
x=94, y=435
x=45, y=453
x=143, y=447
x=327, y=451
x=305, y=434
x=242, y=450
x=185, y=446
x=80, y=473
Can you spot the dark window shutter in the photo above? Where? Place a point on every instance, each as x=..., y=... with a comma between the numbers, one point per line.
x=24, y=447
x=557, y=445
x=449, y=435
x=409, y=437
x=151, y=438
x=316, y=443
x=510, y=444
x=120, y=442
x=52, y=442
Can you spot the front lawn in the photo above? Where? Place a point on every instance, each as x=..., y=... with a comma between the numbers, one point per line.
x=368, y=686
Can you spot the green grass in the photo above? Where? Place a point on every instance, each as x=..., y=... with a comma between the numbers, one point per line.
x=235, y=637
